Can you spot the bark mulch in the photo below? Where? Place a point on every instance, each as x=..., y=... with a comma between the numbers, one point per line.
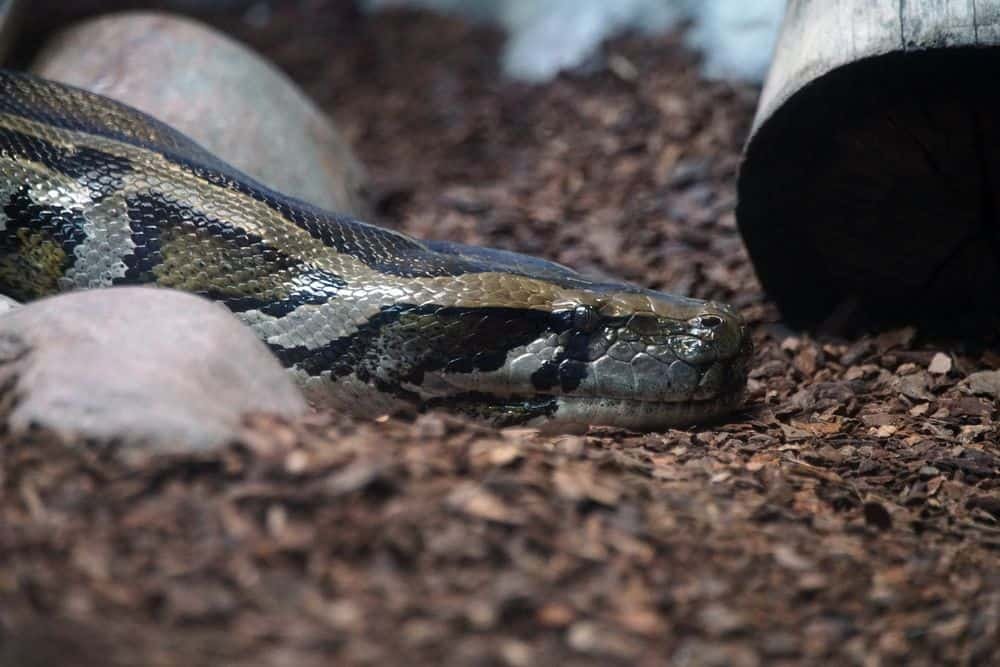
x=850, y=515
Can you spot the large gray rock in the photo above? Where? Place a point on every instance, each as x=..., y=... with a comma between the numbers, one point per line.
x=143, y=367
x=219, y=93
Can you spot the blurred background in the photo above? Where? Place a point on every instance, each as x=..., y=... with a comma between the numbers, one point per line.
x=544, y=38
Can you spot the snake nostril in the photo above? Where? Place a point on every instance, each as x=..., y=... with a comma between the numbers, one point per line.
x=711, y=321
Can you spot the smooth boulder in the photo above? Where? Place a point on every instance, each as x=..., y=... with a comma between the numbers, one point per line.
x=139, y=367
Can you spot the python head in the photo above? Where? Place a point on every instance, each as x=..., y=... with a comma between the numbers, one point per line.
x=632, y=359
x=514, y=340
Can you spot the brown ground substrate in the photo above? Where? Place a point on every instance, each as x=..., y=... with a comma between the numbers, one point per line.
x=850, y=515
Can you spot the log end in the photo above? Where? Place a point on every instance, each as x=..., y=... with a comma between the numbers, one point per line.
x=875, y=190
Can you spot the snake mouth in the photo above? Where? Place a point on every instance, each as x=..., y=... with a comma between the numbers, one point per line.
x=567, y=412
x=639, y=415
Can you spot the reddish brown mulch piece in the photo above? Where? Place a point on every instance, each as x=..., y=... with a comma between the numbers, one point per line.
x=850, y=515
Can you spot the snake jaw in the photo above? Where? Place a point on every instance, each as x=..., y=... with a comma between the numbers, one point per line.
x=556, y=413
x=640, y=415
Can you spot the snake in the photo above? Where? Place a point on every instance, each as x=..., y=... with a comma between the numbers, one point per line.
x=368, y=320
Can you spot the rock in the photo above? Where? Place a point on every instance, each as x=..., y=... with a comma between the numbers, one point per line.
x=218, y=92
x=915, y=387
x=984, y=383
x=940, y=364
x=142, y=367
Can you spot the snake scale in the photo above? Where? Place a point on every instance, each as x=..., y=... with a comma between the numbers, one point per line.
x=96, y=194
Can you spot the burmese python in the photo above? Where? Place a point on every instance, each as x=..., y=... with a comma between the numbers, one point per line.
x=95, y=194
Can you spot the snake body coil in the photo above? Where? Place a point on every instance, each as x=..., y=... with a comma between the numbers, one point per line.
x=96, y=194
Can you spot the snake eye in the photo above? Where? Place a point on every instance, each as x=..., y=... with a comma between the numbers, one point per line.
x=585, y=319
x=711, y=321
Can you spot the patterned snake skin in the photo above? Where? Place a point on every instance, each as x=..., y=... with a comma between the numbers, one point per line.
x=96, y=194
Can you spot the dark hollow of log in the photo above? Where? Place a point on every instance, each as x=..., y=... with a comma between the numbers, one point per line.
x=875, y=190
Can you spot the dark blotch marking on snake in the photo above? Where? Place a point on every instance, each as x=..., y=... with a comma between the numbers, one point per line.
x=151, y=214
x=424, y=339
x=102, y=174
x=565, y=373
x=63, y=225
x=29, y=242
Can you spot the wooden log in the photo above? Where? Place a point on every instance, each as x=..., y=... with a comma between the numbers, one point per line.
x=871, y=181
